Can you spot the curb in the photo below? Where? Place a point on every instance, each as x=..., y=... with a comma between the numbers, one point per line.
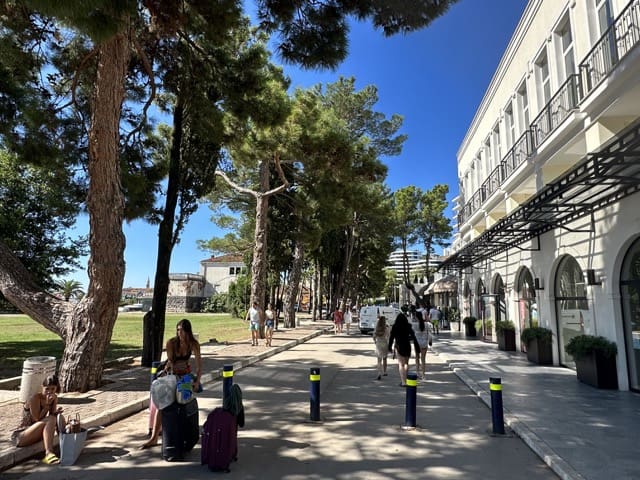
x=554, y=461
x=11, y=456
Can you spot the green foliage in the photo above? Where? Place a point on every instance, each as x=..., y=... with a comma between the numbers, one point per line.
x=238, y=296
x=314, y=34
x=583, y=345
x=37, y=207
x=216, y=303
x=535, y=332
x=469, y=321
x=503, y=325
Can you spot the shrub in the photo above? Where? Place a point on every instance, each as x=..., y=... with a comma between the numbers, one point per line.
x=583, y=345
x=531, y=333
x=469, y=321
x=503, y=325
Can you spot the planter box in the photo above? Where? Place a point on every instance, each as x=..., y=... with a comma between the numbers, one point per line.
x=470, y=330
x=598, y=371
x=539, y=352
x=507, y=340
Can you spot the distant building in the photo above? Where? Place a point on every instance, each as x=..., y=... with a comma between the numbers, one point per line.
x=220, y=272
x=187, y=291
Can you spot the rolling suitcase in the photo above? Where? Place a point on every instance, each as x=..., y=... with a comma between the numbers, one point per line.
x=219, y=440
x=180, y=430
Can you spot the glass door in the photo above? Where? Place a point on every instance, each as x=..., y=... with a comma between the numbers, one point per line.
x=572, y=308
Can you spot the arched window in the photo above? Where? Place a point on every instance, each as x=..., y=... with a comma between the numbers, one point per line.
x=630, y=296
x=572, y=308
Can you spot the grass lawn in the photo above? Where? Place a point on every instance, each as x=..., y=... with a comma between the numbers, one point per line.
x=21, y=337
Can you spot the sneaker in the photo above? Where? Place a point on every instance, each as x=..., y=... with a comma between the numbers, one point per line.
x=379, y=378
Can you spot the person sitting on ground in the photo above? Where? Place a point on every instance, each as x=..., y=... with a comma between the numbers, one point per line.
x=39, y=419
x=179, y=351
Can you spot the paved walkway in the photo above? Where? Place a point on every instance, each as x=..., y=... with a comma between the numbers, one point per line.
x=579, y=431
x=127, y=391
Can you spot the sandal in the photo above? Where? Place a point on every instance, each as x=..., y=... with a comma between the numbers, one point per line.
x=51, y=459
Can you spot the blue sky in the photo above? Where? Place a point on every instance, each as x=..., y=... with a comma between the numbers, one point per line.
x=434, y=78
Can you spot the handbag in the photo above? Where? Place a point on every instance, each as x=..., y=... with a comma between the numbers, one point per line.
x=73, y=425
x=72, y=441
x=184, y=389
x=163, y=391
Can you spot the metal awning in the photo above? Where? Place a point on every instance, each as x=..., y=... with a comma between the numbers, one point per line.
x=448, y=283
x=597, y=181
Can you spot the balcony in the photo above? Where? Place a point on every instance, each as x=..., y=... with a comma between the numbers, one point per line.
x=621, y=37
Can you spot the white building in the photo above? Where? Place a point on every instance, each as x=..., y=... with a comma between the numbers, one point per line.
x=220, y=272
x=549, y=174
x=187, y=291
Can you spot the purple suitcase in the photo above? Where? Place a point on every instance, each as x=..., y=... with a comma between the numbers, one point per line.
x=219, y=440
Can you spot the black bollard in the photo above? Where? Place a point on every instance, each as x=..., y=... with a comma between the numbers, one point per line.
x=410, y=404
x=154, y=371
x=497, y=416
x=314, y=394
x=227, y=381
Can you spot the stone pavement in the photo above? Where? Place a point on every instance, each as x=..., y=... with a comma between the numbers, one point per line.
x=578, y=431
x=127, y=391
x=581, y=432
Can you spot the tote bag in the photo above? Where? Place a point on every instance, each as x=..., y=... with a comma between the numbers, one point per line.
x=71, y=444
x=163, y=391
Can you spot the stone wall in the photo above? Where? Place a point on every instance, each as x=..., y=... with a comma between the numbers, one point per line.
x=184, y=304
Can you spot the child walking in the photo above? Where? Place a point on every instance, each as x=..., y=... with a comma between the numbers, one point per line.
x=381, y=339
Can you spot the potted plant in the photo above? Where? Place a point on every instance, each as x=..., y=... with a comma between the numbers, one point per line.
x=506, y=331
x=469, y=326
x=485, y=330
x=537, y=340
x=595, y=358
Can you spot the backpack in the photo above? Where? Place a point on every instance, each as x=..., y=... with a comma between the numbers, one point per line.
x=219, y=440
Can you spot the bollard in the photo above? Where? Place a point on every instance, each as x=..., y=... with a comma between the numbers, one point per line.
x=314, y=394
x=410, y=404
x=153, y=374
x=497, y=417
x=227, y=381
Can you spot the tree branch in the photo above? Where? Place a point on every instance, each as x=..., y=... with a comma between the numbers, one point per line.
x=235, y=186
x=285, y=182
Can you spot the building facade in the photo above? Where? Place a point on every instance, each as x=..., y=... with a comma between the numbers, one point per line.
x=548, y=214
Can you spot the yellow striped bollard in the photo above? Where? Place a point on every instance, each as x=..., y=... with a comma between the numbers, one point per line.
x=227, y=381
x=497, y=416
x=314, y=394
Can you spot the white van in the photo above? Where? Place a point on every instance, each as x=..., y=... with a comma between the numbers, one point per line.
x=369, y=316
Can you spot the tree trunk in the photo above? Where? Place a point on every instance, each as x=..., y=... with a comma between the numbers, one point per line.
x=154, y=327
x=86, y=328
x=259, y=264
x=88, y=333
x=292, y=287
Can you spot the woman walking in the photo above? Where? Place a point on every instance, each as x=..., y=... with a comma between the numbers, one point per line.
x=381, y=339
x=423, y=332
x=402, y=335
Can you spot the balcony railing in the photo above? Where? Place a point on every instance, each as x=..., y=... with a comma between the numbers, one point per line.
x=620, y=38
x=557, y=110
